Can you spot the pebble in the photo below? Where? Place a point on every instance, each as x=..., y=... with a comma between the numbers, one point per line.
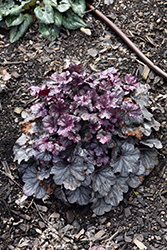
x=92, y=52
x=86, y=31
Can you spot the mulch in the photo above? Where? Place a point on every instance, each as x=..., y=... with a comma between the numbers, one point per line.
x=140, y=221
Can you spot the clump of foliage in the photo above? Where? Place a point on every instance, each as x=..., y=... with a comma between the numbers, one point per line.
x=88, y=139
x=52, y=14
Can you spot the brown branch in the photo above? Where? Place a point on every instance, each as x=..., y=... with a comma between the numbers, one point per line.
x=128, y=42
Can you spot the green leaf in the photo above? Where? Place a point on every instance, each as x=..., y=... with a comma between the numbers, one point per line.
x=15, y=10
x=49, y=31
x=73, y=21
x=58, y=18
x=14, y=20
x=17, y=32
x=46, y=16
x=6, y=4
x=50, y=2
x=63, y=6
x=78, y=6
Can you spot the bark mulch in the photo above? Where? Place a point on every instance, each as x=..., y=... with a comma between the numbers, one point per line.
x=140, y=221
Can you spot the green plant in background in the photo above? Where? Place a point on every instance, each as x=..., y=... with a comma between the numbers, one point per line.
x=52, y=14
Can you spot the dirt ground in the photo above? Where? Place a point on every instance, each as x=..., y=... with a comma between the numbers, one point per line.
x=140, y=221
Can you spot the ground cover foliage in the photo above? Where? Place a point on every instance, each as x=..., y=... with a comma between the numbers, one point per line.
x=88, y=138
x=18, y=16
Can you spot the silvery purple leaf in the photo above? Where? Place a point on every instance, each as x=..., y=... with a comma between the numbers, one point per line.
x=81, y=195
x=24, y=165
x=39, y=91
x=43, y=144
x=39, y=110
x=79, y=68
x=152, y=143
x=128, y=161
x=50, y=123
x=131, y=109
x=132, y=83
x=115, y=194
x=133, y=181
x=42, y=156
x=60, y=107
x=140, y=96
x=148, y=125
x=44, y=173
x=149, y=159
x=103, y=179
x=146, y=114
x=108, y=72
x=103, y=136
x=70, y=175
x=99, y=206
x=63, y=77
x=22, y=149
x=32, y=184
x=66, y=123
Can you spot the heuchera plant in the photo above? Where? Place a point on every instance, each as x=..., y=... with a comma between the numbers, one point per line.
x=88, y=139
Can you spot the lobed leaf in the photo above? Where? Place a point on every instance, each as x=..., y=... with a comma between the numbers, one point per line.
x=103, y=179
x=81, y=195
x=128, y=161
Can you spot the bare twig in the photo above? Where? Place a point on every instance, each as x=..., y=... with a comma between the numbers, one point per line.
x=11, y=178
x=11, y=63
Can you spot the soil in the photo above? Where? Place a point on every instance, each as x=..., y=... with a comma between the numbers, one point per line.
x=140, y=221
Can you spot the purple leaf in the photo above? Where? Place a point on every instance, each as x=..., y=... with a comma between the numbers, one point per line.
x=70, y=175
x=128, y=161
x=132, y=109
x=103, y=180
x=99, y=206
x=132, y=82
x=60, y=107
x=115, y=194
x=32, y=184
x=81, y=195
x=103, y=136
x=39, y=110
x=66, y=123
x=50, y=123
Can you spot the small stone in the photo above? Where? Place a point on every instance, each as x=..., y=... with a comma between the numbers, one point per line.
x=41, y=224
x=127, y=212
x=156, y=80
x=92, y=52
x=86, y=31
x=151, y=75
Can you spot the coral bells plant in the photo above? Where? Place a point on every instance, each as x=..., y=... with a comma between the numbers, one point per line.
x=88, y=139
